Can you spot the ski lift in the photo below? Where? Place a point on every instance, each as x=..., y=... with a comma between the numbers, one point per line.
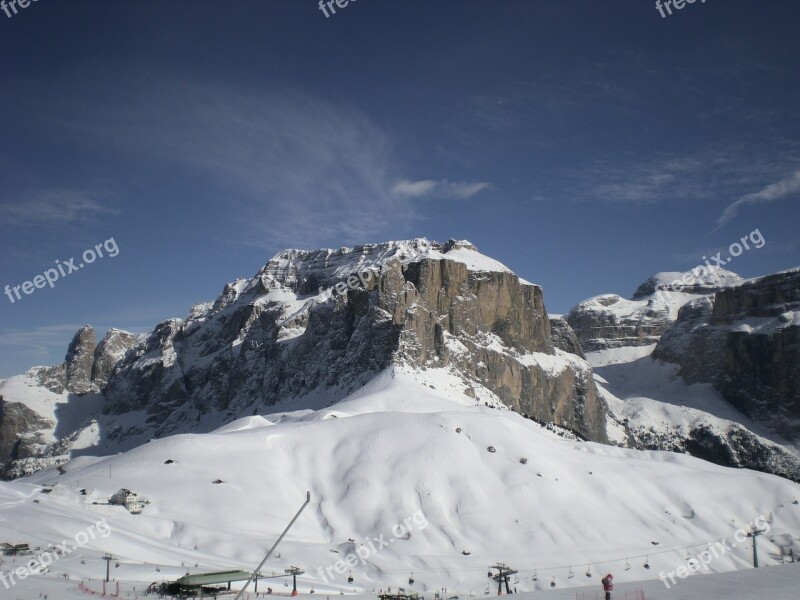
x=571, y=574
x=311, y=591
x=158, y=570
x=647, y=562
x=411, y=580
x=83, y=562
x=553, y=583
x=516, y=580
x=350, y=578
x=535, y=576
x=489, y=574
x=688, y=554
x=486, y=591
x=589, y=570
x=285, y=583
x=116, y=565
x=627, y=565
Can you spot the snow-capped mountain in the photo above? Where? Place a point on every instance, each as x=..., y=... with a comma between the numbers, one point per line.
x=305, y=331
x=610, y=321
x=711, y=370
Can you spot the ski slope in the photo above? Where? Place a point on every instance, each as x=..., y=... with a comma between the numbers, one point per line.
x=398, y=452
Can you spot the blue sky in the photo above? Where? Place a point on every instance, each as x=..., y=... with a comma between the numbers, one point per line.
x=585, y=144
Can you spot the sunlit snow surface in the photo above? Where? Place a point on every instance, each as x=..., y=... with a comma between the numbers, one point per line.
x=389, y=453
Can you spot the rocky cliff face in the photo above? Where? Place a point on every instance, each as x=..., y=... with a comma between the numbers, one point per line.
x=107, y=354
x=610, y=321
x=79, y=360
x=745, y=340
x=564, y=337
x=19, y=427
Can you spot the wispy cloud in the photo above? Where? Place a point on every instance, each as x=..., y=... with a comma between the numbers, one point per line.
x=705, y=174
x=54, y=206
x=293, y=169
x=776, y=191
x=441, y=189
x=40, y=343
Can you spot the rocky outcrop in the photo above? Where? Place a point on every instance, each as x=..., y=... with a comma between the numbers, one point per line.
x=441, y=307
x=18, y=431
x=30, y=440
x=79, y=360
x=53, y=378
x=746, y=342
x=564, y=337
x=727, y=444
x=610, y=321
x=108, y=353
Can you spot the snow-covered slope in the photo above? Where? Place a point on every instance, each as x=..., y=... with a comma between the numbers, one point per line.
x=473, y=485
x=654, y=408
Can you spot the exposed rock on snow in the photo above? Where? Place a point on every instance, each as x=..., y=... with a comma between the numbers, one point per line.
x=78, y=362
x=108, y=353
x=564, y=337
x=610, y=321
